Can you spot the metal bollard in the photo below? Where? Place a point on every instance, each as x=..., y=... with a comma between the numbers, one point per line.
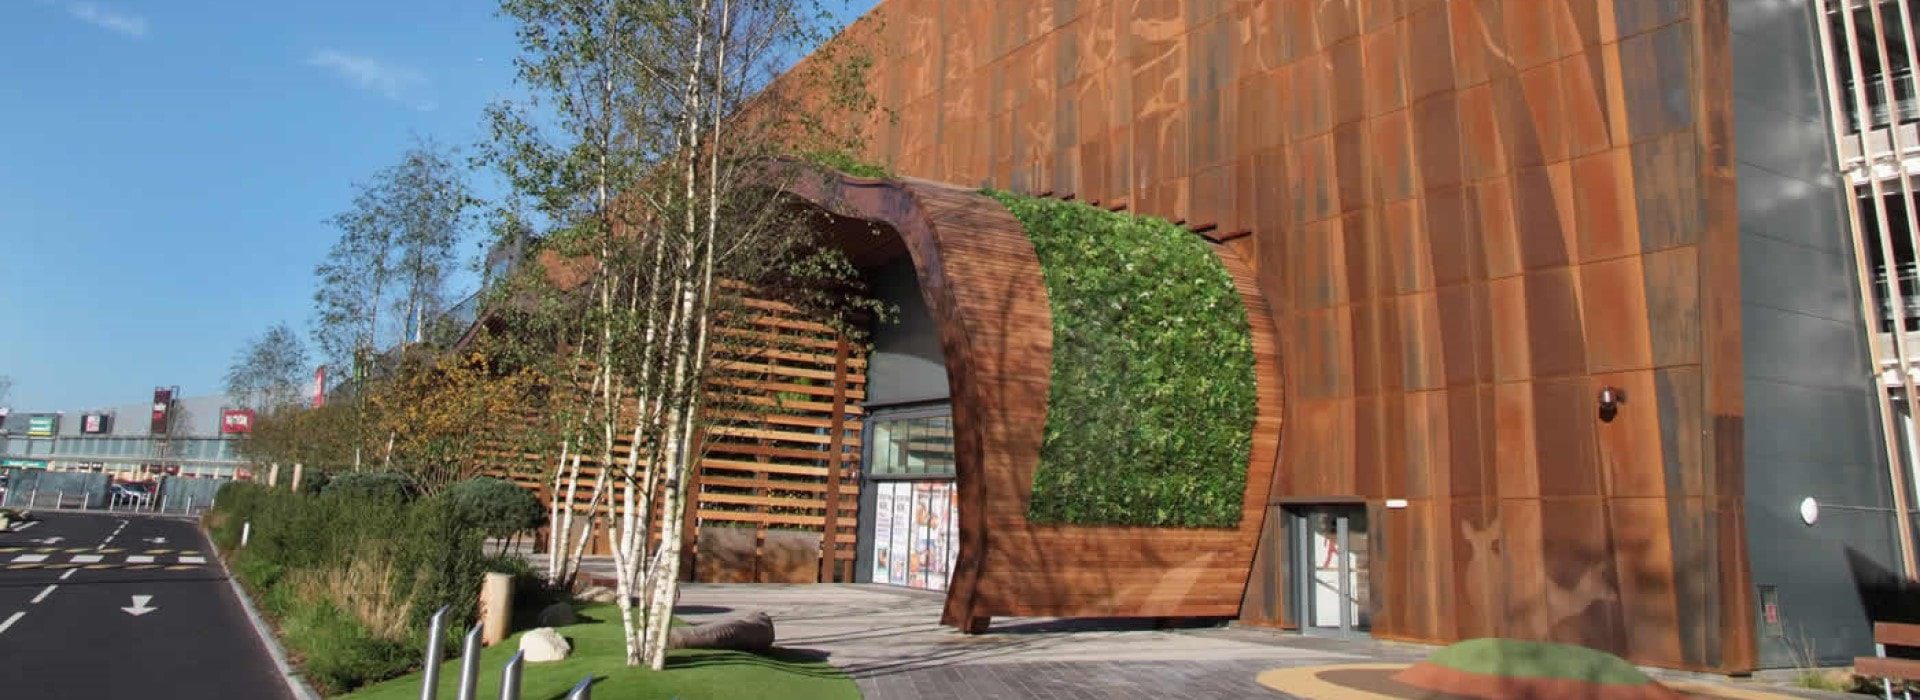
x=510, y=677
x=33, y=498
x=583, y=690
x=246, y=532
x=59, y=500
x=470, y=665
x=436, y=646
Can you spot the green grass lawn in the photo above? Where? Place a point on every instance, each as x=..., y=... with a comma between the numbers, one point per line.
x=1525, y=659
x=598, y=650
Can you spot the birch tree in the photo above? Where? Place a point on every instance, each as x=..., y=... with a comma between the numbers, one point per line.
x=270, y=371
x=657, y=166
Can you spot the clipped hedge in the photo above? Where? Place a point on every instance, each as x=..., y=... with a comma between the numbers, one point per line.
x=1150, y=415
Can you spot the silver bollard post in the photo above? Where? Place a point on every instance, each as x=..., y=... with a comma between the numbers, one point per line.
x=470, y=665
x=246, y=532
x=59, y=500
x=510, y=677
x=33, y=498
x=436, y=647
x=583, y=690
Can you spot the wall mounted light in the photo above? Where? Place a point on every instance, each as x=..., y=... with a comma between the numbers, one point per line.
x=1610, y=400
x=1809, y=510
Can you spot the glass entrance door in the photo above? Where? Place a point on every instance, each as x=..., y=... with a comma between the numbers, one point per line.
x=1330, y=558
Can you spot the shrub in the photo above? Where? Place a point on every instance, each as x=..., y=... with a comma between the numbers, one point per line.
x=498, y=508
x=352, y=574
x=393, y=485
x=1151, y=407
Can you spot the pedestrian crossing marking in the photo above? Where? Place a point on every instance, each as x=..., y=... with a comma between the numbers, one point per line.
x=86, y=558
x=193, y=560
x=139, y=559
x=24, y=558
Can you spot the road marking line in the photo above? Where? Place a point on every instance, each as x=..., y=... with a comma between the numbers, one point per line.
x=158, y=551
x=139, y=559
x=85, y=558
x=18, y=567
x=69, y=572
x=44, y=592
x=24, y=558
x=143, y=567
x=193, y=560
x=6, y=550
x=46, y=550
x=97, y=567
x=61, y=566
x=189, y=551
x=180, y=567
x=112, y=550
x=10, y=620
x=22, y=528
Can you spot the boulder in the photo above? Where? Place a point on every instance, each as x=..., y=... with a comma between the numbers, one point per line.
x=543, y=644
x=557, y=615
x=752, y=632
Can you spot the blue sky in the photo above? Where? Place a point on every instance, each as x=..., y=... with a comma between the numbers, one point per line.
x=165, y=169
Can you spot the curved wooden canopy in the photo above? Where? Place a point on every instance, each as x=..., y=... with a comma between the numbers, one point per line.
x=982, y=283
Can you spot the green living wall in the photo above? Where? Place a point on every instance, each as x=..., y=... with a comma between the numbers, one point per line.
x=1151, y=408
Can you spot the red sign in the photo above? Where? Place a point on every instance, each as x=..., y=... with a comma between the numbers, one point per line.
x=96, y=423
x=162, y=406
x=235, y=421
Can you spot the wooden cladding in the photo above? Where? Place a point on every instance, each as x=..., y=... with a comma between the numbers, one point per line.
x=781, y=472
x=982, y=284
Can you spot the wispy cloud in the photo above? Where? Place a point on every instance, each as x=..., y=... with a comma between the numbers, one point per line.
x=398, y=83
x=107, y=18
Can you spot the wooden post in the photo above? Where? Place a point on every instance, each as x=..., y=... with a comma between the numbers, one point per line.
x=496, y=605
x=829, y=534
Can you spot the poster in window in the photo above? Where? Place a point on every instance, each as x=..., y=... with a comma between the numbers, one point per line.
x=882, y=534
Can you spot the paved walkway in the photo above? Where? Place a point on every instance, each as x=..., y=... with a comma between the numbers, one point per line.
x=890, y=641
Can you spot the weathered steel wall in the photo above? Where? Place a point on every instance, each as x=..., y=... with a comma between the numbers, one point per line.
x=1469, y=217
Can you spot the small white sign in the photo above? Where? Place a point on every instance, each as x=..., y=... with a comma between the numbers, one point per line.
x=1396, y=503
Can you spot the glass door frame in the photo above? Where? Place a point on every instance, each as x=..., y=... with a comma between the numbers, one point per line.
x=1301, y=574
x=863, y=549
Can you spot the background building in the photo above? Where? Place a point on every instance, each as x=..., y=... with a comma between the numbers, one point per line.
x=122, y=440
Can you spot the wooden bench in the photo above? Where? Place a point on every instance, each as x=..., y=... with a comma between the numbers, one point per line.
x=1887, y=669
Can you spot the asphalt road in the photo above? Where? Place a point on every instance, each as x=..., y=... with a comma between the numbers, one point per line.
x=114, y=606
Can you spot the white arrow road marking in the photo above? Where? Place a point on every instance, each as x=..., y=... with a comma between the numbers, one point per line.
x=10, y=620
x=140, y=606
x=139, y=559
x=85, y=558
x=29, y=558
x=43, y=594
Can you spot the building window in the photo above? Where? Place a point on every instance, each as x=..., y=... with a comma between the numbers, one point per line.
x=911, y=446
x=1882, y=110
x=1902, y=270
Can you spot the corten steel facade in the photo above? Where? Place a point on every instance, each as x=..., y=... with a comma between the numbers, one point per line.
x=1464, y=219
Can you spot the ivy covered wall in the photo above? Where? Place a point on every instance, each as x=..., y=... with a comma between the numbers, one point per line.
x=1151, y=408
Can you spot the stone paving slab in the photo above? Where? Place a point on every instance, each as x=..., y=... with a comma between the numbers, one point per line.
x=890, y=641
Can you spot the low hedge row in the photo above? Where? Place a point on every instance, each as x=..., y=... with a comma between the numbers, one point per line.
x=1151, y=408
x=351, y=576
